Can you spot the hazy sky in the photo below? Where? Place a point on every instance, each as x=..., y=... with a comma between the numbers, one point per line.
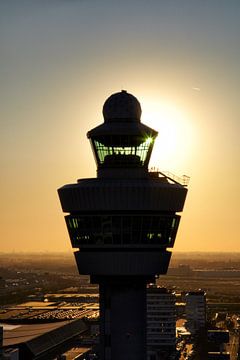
x=60, y=60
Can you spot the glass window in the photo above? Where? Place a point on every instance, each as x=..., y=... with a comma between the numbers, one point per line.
x=117, y=229
x=123, y=149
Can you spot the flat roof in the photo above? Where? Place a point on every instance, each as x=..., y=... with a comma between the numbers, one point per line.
x=76, y=351
x=16, y=334
x=40, y=339
x=67, y=295
x=36, y=304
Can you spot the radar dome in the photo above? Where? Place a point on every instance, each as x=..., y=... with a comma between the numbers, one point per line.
x=122, y=105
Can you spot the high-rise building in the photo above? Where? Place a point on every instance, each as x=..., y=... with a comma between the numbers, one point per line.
x=123, y=222
x=195, y=310
x=161, y=321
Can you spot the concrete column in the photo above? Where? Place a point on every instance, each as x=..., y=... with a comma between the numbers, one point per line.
x=123, y=319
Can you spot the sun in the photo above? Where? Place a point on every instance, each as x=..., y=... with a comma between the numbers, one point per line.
x=175, y=133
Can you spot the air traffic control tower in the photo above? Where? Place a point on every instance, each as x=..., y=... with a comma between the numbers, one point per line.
x=123, y=222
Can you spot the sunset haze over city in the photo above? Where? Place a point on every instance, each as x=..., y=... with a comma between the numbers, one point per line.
x=61, y=59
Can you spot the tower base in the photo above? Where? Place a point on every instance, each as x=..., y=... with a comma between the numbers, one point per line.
x=122, y=318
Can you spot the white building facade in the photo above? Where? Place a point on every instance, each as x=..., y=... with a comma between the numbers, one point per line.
x=161, y=321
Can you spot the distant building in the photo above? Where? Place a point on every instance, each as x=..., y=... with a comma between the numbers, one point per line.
x=11, y=354
x=77, y=298
x=217, y=340
x=218, y=356
x=181, y=270
x=2, y=283
x=1, y=341
x=195, y=310
x=41, y=341
x=218, y=336
x=215, y=273
x=161, y=321
x=78, y=353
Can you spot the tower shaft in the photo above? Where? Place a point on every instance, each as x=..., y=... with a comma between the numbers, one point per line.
x=123, y=318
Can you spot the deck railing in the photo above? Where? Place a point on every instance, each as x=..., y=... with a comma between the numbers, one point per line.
x=182, y=180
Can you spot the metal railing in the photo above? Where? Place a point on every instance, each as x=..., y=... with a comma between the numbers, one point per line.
x=181, y=180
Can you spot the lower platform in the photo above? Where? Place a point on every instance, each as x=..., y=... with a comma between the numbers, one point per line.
x=122, y=263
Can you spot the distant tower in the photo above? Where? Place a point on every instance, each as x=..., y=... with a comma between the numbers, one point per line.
x=195, y=310
x=123, y=221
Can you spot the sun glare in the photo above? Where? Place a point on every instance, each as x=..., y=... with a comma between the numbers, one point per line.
x=148, y=140
x=175, y=133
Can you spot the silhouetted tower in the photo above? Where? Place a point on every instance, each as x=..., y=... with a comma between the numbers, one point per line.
x=123, y=221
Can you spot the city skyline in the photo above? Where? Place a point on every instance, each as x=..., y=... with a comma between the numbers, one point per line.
x=61, y=59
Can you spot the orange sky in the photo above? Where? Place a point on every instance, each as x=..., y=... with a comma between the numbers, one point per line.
x=62, y=59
